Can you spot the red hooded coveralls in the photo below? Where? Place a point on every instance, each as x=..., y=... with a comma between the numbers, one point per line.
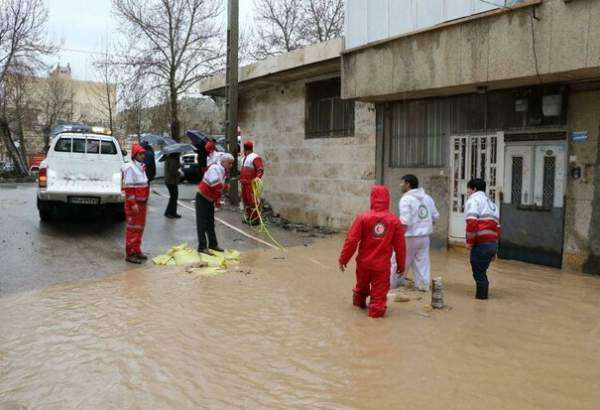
x=250, y=168
x=376, y=233
x=137, y=190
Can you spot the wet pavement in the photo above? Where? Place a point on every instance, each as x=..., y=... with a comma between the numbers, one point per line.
x=34, y=255
x=277, y=332
x=281, y=333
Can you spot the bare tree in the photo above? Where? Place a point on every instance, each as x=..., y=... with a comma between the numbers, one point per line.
x=172, y=43
x=322, y=20
x=56, y=101
x=22, y=46
x=286, y=25
x=105, y=98
x=279, y=28
x=15, y=115
x=133, y=98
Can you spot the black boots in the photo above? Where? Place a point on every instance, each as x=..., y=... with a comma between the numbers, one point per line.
x=482, y=293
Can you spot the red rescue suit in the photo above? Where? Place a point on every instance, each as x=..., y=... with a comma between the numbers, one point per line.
x=137, y=190
x=376, y=233
x=251, y=167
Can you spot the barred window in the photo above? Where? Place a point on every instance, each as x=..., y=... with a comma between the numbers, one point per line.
x=327, y=115
x=417, y=134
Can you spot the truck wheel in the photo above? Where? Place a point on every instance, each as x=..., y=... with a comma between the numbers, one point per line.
x=45, y=209
x=119, y=214
x=45, y=215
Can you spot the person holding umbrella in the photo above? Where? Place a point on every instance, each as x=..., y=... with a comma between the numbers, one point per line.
x=172, y=181
x=170, y=155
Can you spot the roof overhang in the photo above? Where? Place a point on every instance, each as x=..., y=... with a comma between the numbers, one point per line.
x=319, y=60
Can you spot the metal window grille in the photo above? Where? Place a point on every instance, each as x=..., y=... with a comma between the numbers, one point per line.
x=549, y=176
x=327, y=115
x=517, y=180
x=417, y=135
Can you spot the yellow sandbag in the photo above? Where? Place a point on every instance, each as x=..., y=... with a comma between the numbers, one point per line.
x=162, y=260
x=186, y=257
x=214, y=261
x=228, y=255
x=183, y=254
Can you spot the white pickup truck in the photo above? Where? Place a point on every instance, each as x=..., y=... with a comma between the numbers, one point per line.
x=81, y=169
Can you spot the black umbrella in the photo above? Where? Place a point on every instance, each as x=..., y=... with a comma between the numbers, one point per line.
x=197, y=137
x=176, y=148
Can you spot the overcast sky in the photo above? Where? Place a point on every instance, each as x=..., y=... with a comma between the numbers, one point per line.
x=84, y=26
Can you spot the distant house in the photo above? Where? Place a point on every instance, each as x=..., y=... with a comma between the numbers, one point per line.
x=80, y=101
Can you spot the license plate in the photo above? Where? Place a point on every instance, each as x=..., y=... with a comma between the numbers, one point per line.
x=187, y=166
x=82, y=200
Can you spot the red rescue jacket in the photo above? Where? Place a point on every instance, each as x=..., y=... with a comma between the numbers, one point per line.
x=376, y=233
x=251, y=167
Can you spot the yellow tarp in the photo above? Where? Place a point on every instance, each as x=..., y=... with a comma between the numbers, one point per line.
x=184, y=255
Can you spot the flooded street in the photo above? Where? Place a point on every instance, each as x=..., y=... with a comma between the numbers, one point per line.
x=280, y=332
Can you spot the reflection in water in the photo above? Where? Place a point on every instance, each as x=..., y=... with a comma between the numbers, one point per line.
x=286, y=336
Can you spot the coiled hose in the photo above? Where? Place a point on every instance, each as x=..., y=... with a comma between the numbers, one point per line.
x=257, y=191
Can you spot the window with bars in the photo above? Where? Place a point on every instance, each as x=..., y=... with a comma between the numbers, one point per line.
x=327, y=115
x=549, y=177
x=517, y=180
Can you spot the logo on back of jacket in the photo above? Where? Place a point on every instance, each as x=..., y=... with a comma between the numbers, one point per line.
x=423, y=212
x=379, y=229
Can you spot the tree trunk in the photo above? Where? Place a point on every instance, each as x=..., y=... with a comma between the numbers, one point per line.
x=175, y=124
x=12, y=149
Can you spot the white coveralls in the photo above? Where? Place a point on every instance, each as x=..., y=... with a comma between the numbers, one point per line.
x=417, y=213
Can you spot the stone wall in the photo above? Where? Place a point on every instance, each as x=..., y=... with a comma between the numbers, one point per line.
x=582, y=219
x=316, y=181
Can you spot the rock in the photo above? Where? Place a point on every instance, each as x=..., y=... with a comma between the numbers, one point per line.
x=401, y=297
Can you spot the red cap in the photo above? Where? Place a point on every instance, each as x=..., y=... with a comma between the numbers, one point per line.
x=209, y=147
x=137, y=149
x=248, y=145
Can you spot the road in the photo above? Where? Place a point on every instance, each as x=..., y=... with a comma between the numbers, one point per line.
x=35, y=255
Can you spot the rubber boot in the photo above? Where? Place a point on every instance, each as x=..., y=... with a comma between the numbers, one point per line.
x=482, y=293
x=359, y=301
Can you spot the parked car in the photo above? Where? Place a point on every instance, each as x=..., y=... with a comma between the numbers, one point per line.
x=81, y=169
x=189, y=163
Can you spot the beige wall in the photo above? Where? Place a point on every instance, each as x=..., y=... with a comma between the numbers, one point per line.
x=317, y=181
x=584, y=115
x=493, y=51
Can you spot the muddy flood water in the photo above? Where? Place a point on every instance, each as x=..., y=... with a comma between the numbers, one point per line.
x=285, y=335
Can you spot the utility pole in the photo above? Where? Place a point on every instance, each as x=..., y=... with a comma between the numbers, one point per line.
x=232, y=94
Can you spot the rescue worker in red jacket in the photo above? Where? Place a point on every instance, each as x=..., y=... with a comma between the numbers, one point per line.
x=251, y=167
x=208, y=197
x=137, y=190
x=376, y=233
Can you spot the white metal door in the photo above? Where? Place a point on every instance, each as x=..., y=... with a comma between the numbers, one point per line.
x=519, y=176
x=473, y=156
x=535, y=174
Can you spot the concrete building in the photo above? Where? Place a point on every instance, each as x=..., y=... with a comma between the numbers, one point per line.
x=446, y=90
x=319, y=150
x=511, y=95
x=60, y=97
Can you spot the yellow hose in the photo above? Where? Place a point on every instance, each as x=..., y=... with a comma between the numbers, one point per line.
x=257, y=191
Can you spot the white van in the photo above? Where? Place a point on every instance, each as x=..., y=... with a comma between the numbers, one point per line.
x=81, y=169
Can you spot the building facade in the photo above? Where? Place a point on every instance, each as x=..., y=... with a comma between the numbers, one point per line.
x=448, y=90
x=319, y=150
x=511, y=95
